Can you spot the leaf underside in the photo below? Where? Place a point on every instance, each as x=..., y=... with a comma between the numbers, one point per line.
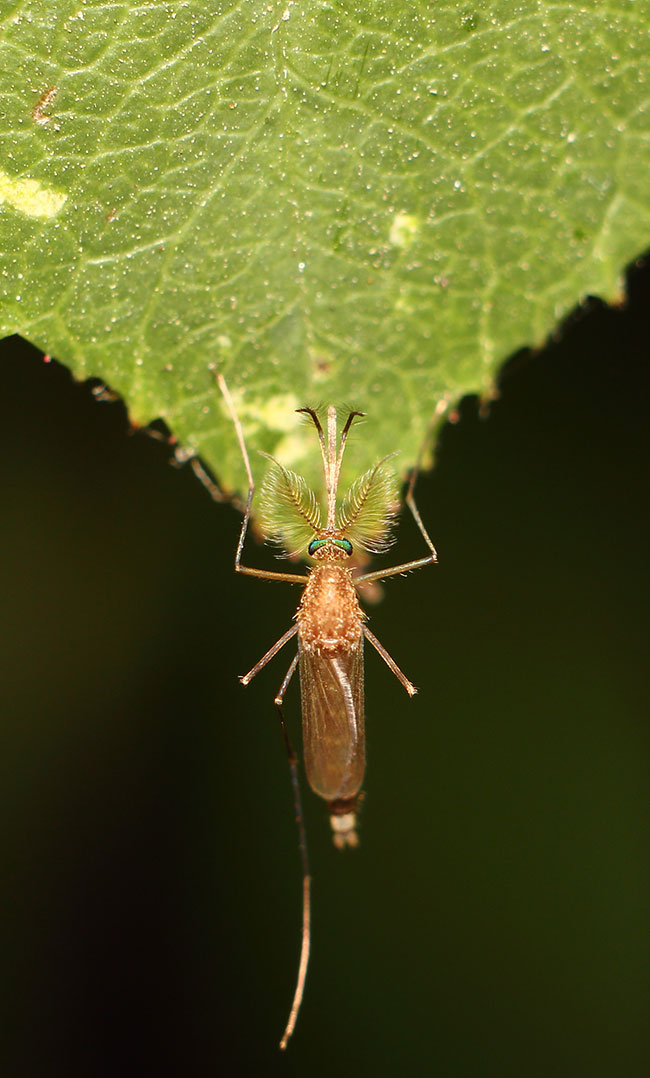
x=369, y=203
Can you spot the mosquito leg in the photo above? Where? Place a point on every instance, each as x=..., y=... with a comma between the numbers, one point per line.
x=382, y=574
x=293, y=760
x=410, y=501
x=284, y=639
x=263, y=574
x=306, y=878
x=287, y=678
x=302, y=838
x=390, y=662
x=431, y=558
x=213, y=490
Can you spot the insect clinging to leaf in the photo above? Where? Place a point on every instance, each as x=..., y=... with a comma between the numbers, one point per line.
x=330, y=624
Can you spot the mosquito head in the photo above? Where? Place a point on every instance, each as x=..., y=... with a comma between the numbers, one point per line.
x=334, y=548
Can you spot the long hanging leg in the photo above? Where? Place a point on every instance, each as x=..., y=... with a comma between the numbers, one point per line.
x=306, y=878
x=208, y=482
x=264, y=574
x=284, y=639
x=431, y=558
x=390, y=662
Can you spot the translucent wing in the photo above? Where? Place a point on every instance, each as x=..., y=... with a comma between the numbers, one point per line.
x=289, y=513
x=369, y=507
x=333, y=720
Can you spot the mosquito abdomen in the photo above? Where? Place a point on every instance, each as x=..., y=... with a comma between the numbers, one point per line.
x=331, y=682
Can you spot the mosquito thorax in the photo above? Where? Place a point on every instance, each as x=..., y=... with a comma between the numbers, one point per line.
x=334, y=548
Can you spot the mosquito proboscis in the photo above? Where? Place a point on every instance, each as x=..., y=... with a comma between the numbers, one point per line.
x=329, y=623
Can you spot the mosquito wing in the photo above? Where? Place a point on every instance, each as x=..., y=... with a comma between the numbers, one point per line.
x=334, y=744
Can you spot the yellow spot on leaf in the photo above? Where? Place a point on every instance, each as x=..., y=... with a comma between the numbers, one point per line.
x=30, y=197
x=279, y=412
x=404, y=229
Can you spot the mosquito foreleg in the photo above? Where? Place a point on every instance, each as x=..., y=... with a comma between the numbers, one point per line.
x=418, y=563
x=410, y=501
x=263, y=574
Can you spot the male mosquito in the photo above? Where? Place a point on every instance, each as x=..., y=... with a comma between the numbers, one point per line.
x=330, y=624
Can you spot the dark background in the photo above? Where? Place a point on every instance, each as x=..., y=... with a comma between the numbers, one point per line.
x=494, y=919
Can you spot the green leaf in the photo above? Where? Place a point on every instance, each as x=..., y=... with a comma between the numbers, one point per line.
x=372, y=202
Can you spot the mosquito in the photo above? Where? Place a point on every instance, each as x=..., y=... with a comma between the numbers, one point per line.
x=329, y=623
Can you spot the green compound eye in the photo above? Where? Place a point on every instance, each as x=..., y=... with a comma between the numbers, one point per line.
x=316, y=544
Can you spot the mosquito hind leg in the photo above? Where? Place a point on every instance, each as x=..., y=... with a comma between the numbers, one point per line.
x=306, y=878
